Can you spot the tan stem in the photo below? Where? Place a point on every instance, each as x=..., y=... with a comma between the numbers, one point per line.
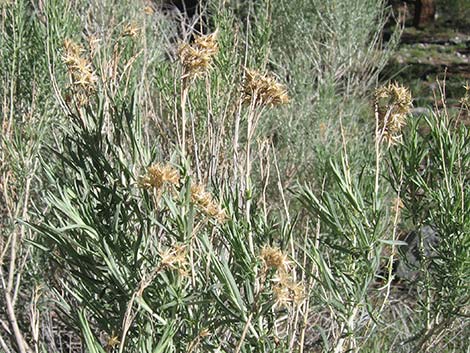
x=245, y=330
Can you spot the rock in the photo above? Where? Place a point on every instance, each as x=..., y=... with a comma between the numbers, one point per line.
x=412, y=254
x=418, y=111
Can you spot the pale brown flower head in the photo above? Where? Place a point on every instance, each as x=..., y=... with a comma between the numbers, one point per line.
x=205, y=201
x=200, y=196
x=274, y=258
x=467, y=87
x=112, y=341
x=397, y=205
x=157, y=175
x=396, y=96
x=465, y=100
x=80, y=69
x=174, y=257
x=131, y=30
x=287, y=291
x=72, y=48
x=393, y=103
x=297, y=293
x=262, y=89
x=148, y=10
x=197, y=57
x=215, y=211
x=281, y=293
x=93, y=43
x=204, y=332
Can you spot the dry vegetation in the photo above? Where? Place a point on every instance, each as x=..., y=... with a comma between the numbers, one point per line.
x=248, y=189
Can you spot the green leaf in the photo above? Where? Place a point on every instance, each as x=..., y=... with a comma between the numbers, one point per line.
x=91, y=342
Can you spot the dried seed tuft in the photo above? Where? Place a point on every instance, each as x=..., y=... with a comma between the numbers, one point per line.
x=393, y=103
x=262, y=89
x=197, y=57
x=157, y=175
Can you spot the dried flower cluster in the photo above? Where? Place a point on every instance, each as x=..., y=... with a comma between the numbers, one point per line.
x=286, y=290
x=197, y=57
x=157, y=175
x=131, y=30
x=274, y=258
x=112, y=341
x=205, y=201
x=175, y=258
x=80, y=68
x=397, y=205
x=148, y=10
x=393, y=104
x=262, y=89
x=465, y=100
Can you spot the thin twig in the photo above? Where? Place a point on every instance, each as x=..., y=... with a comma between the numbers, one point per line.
x=245, y=330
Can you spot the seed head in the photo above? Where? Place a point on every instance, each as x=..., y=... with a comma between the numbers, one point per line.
x=148, y=10
x=197, y=57
x=80, y=68
x=467, y=87
x=274, y=258
x=465, y=100
x=396, y=96
x=157, y=175
x=287, y=291
x=393, y=103
x=262, y=89
x=131, y=30
x=112, y=341
x=205, y=201
x=72, y=48
x=174, y=257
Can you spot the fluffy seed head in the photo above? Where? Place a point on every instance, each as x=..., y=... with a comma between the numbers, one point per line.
x=393, y=103
x=80, y=68
x=157, y=175
x=396, y=96
x=287, y=291
x=274, y=258
x=174, y=257
x=205, y=201
x=72, y=48
x=112, y=341
x=131, y=30
x=262, y=89
x=197, y=57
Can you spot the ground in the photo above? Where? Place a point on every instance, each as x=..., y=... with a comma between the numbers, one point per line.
x=440, y=50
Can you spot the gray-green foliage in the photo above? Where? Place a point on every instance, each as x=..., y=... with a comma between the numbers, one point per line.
x=27, y=111
x=429, y=172
x=107, y=238
x=102, y=243
x=327, y=71
x=436, y=194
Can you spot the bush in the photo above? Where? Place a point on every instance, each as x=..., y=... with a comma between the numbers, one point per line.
x=229, y=193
